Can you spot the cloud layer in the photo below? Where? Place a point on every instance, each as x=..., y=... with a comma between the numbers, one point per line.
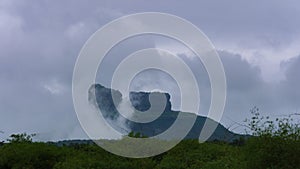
x=258, y=42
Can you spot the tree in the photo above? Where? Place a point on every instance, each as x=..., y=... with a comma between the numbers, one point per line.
x=136, y=135
x=1, y=142
x=19, y=138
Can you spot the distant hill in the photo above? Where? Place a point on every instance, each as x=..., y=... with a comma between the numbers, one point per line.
x=102, y=98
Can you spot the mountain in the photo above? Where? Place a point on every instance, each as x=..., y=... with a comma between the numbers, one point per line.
x=104, y=98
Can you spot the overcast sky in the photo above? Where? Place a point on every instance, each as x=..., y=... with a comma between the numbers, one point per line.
x=258, y=42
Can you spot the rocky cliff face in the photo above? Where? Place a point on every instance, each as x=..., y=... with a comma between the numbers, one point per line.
x=109, y=99
x=141, y=100
x=103, y=98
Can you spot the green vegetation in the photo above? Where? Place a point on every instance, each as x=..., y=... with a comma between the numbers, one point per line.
x=274, y=145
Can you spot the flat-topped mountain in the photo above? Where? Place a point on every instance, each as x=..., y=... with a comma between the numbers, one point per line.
x=104, y=99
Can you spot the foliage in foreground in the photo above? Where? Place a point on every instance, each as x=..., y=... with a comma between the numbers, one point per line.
x=188, y=154
x=274, y=145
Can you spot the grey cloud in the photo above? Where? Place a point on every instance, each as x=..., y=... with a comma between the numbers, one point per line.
x=40, y=41
x=289, y=87
x=241, y=75
x=246, y=89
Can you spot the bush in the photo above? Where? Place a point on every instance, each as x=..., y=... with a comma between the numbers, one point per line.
x=20, y=138
x=275, y=144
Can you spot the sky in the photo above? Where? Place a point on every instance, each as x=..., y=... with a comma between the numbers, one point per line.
x=258, y=42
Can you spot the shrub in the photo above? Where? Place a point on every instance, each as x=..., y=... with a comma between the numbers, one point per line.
x=275, y=144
